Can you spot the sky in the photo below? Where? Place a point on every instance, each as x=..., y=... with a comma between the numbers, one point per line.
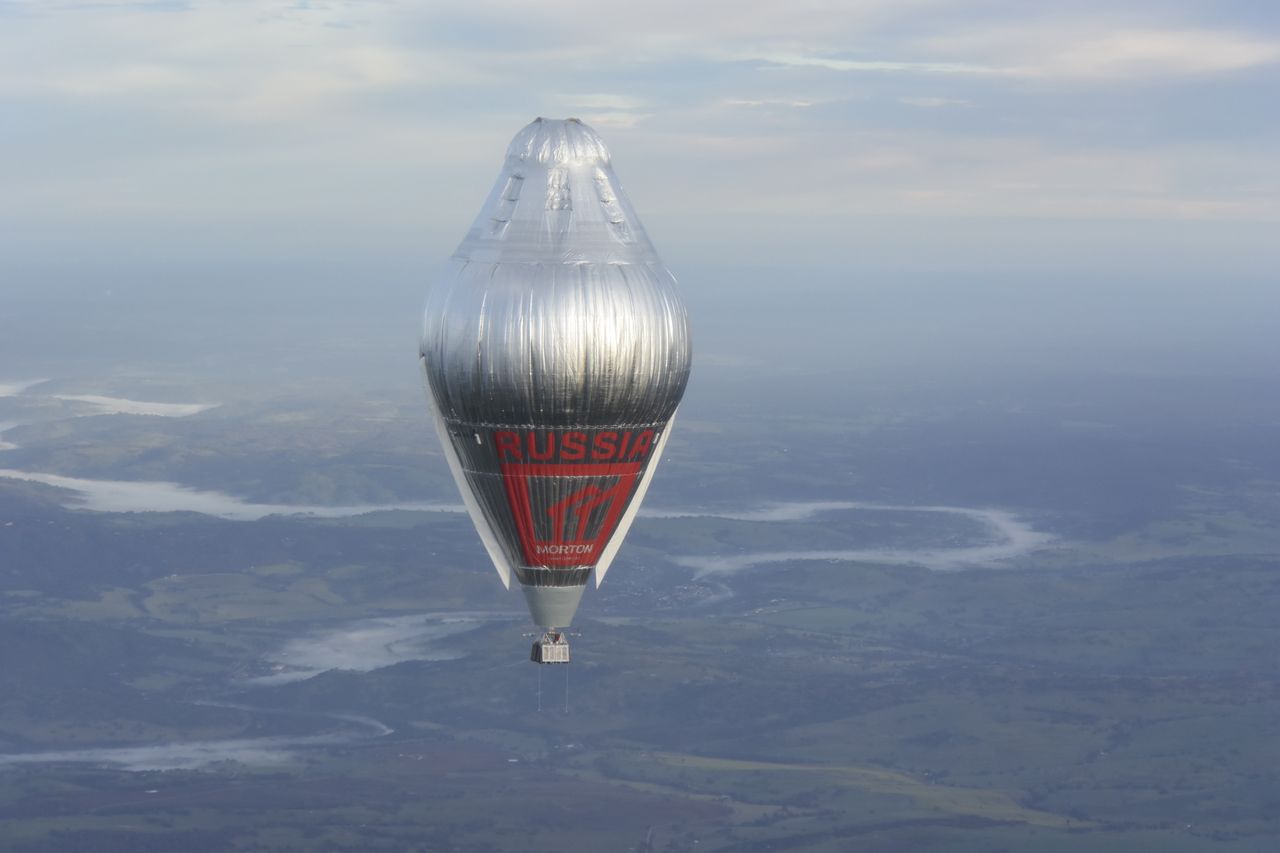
x=354, y=141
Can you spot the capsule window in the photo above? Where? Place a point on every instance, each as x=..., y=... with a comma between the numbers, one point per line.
x=558, y=197
x=609, y=206
x=506, y=206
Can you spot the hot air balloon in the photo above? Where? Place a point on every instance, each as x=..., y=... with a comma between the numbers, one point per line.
x=555, y=352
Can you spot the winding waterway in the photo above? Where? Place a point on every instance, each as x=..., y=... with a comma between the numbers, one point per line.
x=362, y=645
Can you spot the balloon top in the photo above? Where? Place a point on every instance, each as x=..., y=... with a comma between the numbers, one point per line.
x=558, y=142
x=557, y=201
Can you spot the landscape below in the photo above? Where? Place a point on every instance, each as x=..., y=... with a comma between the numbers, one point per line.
x=960, y=624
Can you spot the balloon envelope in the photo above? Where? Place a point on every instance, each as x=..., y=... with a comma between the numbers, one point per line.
x=555, y=351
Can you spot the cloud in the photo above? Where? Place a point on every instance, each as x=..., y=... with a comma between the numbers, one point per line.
x=1140, y=52
x=1050, y=50
x=328, y=114
x=878, y=65
x=934, y=102
x=614, y=101
x=606, y=110
x=767, y=102
x=229, y=61
x=1092, y=50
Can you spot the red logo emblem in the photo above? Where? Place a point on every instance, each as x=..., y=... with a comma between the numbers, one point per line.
x=563, y=525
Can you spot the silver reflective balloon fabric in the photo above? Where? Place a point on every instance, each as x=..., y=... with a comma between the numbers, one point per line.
x=555, y=351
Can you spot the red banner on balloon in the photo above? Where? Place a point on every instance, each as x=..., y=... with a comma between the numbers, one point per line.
x=565, y=514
